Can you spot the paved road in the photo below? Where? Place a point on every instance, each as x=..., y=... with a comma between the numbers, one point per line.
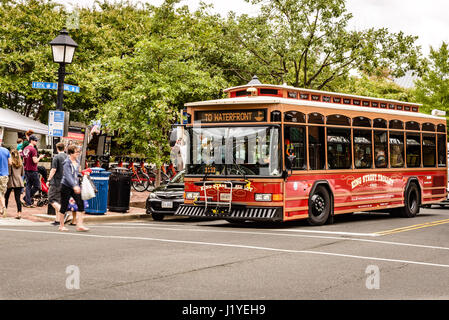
x=363, y=256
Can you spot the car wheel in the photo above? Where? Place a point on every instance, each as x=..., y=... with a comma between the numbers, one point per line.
x=157, y=216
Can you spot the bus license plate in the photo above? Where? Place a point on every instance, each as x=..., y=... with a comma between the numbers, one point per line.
x=167, y=204
x=225, y=197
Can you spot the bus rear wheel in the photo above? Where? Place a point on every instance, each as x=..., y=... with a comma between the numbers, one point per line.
x=411, y=202
x=319, y=206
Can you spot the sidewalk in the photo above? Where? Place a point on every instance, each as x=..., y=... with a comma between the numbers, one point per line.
x=39, y=214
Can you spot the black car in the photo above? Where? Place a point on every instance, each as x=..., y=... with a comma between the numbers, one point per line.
x=166, y=199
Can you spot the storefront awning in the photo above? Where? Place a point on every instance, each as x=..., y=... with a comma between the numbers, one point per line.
x=13, y=120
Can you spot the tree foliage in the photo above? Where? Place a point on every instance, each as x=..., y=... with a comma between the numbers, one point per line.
x=149, y=87
x=138, y=64
x=307, y=43
x=432, y=90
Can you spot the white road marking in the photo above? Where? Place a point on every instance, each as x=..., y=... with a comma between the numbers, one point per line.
x=21, y=222
x=231, y=246
x=332, y=232
x=278, y=234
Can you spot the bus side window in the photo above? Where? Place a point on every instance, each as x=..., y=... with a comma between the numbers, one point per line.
x=441, y=150
x=429, y=150
x=295, y=142
x=316, y=148
x=363, y=156
x=396, y=150
x=380, y=149
x=339, y=154
x=413, y=150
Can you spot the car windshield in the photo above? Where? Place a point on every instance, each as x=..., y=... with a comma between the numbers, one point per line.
x=233, y=151
x=178, y=178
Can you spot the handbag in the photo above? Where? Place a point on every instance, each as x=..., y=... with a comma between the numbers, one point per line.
x=87, y=191
x=93, y=184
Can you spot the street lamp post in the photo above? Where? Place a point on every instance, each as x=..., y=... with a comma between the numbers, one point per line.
x=63, y=48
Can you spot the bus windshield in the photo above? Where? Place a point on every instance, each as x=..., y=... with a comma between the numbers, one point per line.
x=234, y=151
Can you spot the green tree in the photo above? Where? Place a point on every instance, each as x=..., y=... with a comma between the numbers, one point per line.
x=432, y=90
x=149, y=87
x=307, y=43
x=25, y=54
x=105, y=30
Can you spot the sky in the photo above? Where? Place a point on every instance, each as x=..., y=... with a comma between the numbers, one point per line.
x=426, y=19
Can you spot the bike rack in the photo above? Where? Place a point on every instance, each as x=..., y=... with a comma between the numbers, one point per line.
x=218, y=203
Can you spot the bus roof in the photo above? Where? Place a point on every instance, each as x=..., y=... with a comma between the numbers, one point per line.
x=276, y=100
x=286, y=87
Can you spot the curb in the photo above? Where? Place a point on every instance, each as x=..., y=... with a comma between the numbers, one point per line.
x=102, y=218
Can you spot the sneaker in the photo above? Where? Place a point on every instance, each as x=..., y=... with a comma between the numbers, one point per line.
x=29, y=205
x=55, y=223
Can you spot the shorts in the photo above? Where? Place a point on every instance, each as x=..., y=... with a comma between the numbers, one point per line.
x=66, y=193
x=3, y=184
x=54, y=194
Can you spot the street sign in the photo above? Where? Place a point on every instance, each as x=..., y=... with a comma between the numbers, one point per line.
x=56, y=123
x=54, y=86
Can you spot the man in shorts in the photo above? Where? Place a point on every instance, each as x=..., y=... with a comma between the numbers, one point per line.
x=5, y=160
x=54, y=180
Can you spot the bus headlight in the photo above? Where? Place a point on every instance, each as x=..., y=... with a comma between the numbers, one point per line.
x=262, y=197
x=192, y=195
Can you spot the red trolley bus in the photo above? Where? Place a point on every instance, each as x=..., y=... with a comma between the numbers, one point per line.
x=280, y=153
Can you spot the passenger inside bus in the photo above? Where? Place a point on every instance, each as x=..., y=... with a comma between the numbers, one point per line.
x=381, y=160
x=396, y=159
x=362, y=159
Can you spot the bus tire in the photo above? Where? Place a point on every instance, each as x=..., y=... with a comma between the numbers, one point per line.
x=319, y=206
x=411, y=202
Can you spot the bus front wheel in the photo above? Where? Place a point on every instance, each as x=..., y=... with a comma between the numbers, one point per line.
x=411, y=203
x=319, y=206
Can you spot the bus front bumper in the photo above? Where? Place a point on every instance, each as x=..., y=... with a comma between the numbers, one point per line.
x=237, y=212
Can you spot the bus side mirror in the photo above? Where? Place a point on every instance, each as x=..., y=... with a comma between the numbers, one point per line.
x=289, y=165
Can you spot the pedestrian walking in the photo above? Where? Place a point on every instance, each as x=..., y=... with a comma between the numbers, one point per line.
x=5, y=161
x=15, y=181
x=54, y=180
x=70, y=187
x=31, y=160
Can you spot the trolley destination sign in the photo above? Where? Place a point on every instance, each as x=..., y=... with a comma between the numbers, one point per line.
x=257, y=115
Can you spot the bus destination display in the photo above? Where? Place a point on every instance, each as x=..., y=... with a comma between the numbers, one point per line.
x=257, y=115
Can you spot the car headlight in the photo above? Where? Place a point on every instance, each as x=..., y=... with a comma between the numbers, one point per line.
x=192, y=195
x=262, y=197
x=153, y=196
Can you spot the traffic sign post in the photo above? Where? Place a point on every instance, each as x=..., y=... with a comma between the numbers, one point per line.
x=58, y=123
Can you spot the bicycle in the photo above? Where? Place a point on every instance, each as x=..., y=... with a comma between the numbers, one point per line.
x=139, y=180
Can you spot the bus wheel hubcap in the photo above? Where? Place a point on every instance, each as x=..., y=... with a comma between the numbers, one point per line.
x=318, y=204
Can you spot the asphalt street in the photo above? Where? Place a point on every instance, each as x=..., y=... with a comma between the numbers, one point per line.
x=362, y=256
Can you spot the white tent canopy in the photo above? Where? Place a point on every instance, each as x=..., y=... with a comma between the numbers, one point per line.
x=13, y=120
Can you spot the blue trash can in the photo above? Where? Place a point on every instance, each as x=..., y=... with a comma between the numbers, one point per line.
x=99, y=204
